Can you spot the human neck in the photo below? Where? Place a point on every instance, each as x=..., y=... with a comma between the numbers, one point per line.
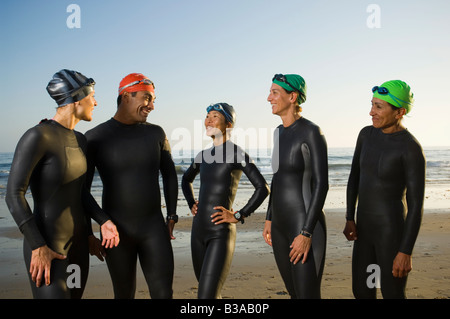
x=66, y=118
x=219, y=140
x=289, y=118
x=393, y=128
x=124, y=118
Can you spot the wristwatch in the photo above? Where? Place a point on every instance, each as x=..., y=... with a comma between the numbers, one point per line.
x=306, y=234
x=239, y=217
x=172, y=217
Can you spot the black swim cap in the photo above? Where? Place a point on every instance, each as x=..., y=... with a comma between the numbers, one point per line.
x=68, y=86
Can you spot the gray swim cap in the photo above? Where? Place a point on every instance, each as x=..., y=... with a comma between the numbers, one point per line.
x=68, y=86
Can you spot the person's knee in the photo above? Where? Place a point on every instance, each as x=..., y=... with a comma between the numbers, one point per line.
x=161, y=289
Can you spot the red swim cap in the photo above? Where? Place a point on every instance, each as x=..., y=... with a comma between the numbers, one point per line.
x=136, y=82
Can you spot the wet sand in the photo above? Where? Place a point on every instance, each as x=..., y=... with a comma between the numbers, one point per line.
x=254, y=274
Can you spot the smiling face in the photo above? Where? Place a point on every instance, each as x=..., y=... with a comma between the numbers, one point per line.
x=384, y=116
x=85, y=107
x=215, y=124
x=282, y=102
x=135, y=108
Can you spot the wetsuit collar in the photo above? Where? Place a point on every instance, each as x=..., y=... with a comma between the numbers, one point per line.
x=393, y=133
x=294, y=123
x=53, y=122
x=118, y=123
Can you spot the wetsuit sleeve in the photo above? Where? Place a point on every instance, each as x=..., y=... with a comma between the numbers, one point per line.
x=353, y=180
x=90, y=204
x=29, y=152
x=261, y=188
x=186, y=182
x=276, y=136
x=319, y=170
x=169, y=178
x=414, y=162
x=92, y=208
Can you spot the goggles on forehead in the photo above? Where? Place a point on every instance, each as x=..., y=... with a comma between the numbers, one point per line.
x=380, y=90
x=86, y=88
x=384, y=91
x=282, y=78
x=144, y=81
x=219, y=108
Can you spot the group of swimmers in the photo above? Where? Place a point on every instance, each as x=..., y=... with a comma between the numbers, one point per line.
x=386, y=187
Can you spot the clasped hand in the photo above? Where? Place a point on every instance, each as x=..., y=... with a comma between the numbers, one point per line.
x=299, y=247
x=41, y=258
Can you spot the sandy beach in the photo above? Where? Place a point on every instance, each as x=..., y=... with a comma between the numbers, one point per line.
x=254, y=274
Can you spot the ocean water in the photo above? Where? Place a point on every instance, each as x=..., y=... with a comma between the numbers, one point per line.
x=339, y=164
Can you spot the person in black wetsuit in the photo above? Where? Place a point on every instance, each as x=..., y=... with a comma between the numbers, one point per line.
x=214, y=226
x=50, y=159
x=295, y=223
x=129, y=154
x=388, y=168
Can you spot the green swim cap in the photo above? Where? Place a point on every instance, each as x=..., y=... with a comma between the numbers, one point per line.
x=395, y=92
x=292, y=82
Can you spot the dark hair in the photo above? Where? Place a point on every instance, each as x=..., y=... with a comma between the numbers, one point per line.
x=119, y=98
x=393, y=106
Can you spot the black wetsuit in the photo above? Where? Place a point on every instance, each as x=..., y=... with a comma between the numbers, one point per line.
x=385, y=168
x=212, y=246
x=50, y=159
x=298, y=191
x=129, y=159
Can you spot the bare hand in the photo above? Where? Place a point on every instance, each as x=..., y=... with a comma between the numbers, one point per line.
x=194, y=208
x=350, y=230
x=110, y=234
x=267, y=232
x=402, y=265
x=41, y=260
x=300, y=247
x=171, y=226
x=224, y=216
x=96, y=248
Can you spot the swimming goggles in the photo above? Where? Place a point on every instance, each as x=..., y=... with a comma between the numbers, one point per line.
x=86, y=89
x=282, y=78
x=145, y=81
x=384, y=91
x=219, y=108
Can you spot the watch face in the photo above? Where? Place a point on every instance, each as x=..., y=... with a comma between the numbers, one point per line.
x=237, y=215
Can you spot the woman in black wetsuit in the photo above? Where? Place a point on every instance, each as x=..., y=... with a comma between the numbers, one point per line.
x=388, y=167
x=213, y=229
x=50, y=158
x=295, y=223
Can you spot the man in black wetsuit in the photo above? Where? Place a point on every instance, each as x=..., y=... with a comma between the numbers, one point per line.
x=50, y=158
x=388, y=168
x=295, y=223
x=129, y=154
